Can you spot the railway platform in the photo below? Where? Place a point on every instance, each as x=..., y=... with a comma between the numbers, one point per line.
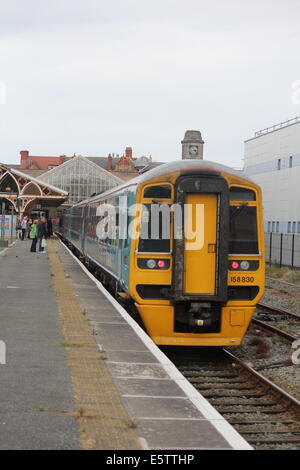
x=79, y=373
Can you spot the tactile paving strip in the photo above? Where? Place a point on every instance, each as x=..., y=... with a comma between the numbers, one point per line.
x=103, y=420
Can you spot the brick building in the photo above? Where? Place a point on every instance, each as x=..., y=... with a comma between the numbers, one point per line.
x=80, y=176
x=125, y=166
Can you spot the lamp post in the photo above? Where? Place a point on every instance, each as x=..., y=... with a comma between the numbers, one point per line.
x=2, y=241
x=20, y=205
x=9, y=190
x=11, y=223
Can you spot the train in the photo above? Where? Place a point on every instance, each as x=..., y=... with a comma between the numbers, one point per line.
x=183, y=244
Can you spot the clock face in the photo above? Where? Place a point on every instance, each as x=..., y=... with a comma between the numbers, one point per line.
x=193, y=150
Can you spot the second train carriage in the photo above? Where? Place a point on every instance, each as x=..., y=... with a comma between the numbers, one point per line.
x=198, y=291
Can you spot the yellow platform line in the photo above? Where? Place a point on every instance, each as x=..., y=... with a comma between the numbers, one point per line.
x=103, y=421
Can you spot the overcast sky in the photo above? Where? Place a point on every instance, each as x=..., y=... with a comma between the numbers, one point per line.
x=92, y=76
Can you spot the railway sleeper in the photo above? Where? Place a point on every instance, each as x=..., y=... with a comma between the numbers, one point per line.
x=273, y=440
x=231, y=393
x=225, y=375
x=281, y=430
x=254, y=409
x=266, y=420
x=207, y=370
x=218, y=380
x=244, y=400
x=220, y=385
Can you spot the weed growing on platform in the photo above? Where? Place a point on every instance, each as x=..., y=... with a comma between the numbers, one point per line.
x=129, y=423
x=72, y=345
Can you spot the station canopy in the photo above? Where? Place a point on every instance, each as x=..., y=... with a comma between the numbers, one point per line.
x=80, y=178
x=25, y=193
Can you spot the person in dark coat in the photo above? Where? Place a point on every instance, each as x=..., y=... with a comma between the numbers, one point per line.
x=50, y=227
x=42, y=233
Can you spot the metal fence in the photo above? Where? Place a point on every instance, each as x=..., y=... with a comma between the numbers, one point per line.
x=283, y=249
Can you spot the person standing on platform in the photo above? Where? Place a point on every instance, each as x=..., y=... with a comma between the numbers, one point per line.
x=24, y=226
x=50, y=227
x=42, y=233
x=18, y=229
x=34, y=236
x=28, y=229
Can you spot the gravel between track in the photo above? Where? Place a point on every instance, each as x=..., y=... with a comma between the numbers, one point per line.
x=287, y=377
x=282, y=296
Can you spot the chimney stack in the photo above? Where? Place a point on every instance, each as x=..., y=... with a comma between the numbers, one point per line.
x=128, y=152
x=109, y=162
x=24, y=158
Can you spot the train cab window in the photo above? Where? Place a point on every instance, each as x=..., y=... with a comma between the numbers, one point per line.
x=243, y=230
x=155, y=229
x=162, y=191
x=241, y=194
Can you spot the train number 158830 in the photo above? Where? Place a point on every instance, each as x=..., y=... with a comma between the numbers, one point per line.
x=241, y=279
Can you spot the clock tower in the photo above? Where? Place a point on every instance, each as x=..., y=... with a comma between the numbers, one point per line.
x=192, y=145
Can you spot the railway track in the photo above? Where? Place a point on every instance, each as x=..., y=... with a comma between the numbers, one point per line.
x=264, y=414
x=282, y=283
x=282, y=322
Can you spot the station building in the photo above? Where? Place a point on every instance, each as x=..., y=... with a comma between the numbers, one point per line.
x=22, y=194
x=83, y=176
x=125, y=167
x=80, y=178
x=272, y=160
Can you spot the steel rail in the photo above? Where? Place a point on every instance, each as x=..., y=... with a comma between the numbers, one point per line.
x=278, y=310
x=274, y=329
x=283, y=282
x=261, y=411
x=263, y=379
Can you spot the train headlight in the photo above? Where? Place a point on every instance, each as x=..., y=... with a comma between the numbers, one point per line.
x=151, y=263
x=245, y=265
x=235, y=265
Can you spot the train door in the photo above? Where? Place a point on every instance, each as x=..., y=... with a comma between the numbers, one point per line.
x=124, y=241
x=200, y=250
x=84, y=215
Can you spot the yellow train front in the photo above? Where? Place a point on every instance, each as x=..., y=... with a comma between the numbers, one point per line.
x=199, y=285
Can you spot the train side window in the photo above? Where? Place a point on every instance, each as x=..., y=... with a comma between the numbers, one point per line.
x=162, y=191
x=241, y=194
x=243, y=230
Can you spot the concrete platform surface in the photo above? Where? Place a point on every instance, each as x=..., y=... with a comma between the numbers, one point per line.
x=36, y=390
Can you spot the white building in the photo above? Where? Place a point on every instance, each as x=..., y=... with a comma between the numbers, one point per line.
x=272, y=160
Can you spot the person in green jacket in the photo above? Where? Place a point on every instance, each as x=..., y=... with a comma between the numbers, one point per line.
x=34, y=236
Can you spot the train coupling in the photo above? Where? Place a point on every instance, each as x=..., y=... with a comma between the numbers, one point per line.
x=200, y=315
